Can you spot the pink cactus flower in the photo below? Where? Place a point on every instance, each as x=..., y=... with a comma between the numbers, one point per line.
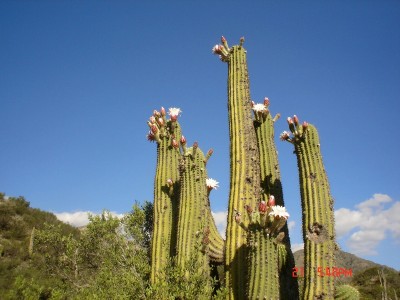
x=183, y=140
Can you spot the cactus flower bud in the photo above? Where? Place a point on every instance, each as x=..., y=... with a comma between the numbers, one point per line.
x=266, y=101
x=304, y=125
x=163, y=113
x=217, y=49
x=241, y=40
x=223, y=39
x=271, y=201
x=195, y=145
x=156, y=113
x=262, y=207
x=183, y=140
x=296, y=120
x=289, y=120
x=161, y=122
x=170, y=182
x=174, y=144
x=152, y=119
x=252, y=104
x=154, y=129
x=284, y=136
x=210, y=152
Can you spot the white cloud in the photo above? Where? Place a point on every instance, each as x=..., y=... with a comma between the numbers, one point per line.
x=79, y=218
x=368, y=224
x=220, y=218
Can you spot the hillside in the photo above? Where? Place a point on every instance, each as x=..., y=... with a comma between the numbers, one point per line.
x=17, y=220
x=20, y=267
x=365, y=275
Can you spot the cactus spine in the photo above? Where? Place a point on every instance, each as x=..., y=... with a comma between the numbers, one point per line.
x=244, y=164
x=271, y=185
x=317, y=210
x=166, y=190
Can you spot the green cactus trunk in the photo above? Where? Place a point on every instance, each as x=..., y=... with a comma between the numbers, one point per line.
x=244, y=170
x=271, y=185
x=166, y=199
x=318, y=218
x=263, y=280
x=194, y=223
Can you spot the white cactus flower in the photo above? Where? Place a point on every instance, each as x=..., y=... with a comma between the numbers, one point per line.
x=174, y=111
x=259, y=107
x=212, y=183
x=279, y=211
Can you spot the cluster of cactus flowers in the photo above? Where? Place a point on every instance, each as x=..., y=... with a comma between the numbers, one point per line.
x=256, y=255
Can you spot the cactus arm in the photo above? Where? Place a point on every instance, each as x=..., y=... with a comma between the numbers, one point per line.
x=196, y=227
x=217, y=243
x=165, y=203
x=317, y=211
x=271, y=185
x=244, y=165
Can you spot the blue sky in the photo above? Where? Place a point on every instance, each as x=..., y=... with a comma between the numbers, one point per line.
x=78, y=80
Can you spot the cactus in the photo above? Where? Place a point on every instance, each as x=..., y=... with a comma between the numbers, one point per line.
x=166, y=188
x=263, y=239
x=317, y=211
x=346, y=292
x=195, y=223
x=168, y=220
x=244, y=162
x=31, y=241
x=271, y=185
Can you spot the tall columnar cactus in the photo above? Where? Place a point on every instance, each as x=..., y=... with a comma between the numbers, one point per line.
x=271, y=185
x=194, y=223
x=264, y=236
x=166, y=196
x=317, y=210
x=244, y=164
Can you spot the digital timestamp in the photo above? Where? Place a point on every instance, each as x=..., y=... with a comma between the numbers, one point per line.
x=324, y=271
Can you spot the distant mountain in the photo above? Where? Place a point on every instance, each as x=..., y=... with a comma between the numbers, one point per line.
x=367, y=276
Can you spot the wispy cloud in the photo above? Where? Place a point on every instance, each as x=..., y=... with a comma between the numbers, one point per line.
x=79, y=218
x=220, y=221
x=364, y=227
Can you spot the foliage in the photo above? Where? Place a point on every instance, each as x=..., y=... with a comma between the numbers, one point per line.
x=368, y=283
